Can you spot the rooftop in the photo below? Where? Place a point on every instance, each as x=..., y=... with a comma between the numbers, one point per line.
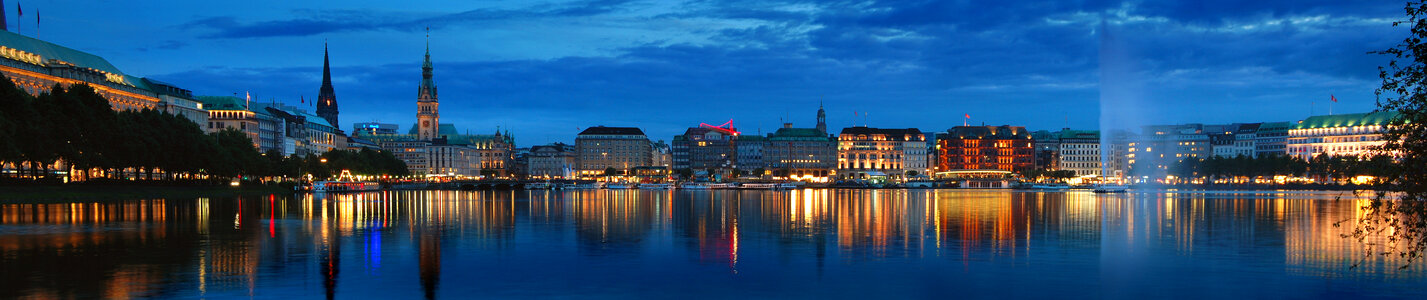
x=1347, y=120
x=602, y=130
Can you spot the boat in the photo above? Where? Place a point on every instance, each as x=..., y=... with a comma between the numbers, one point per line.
x=761, y=186
x=919, y=184
x=701, y=185
x=1050, y=186
x=588, y=186
x=537, y=186
x=618, y=186
x=344, y=186
x=790, y=185
x=655, y=186
x=1111, y=188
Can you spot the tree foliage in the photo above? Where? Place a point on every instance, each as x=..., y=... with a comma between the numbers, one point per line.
x=1395, y=222
x=78, y=127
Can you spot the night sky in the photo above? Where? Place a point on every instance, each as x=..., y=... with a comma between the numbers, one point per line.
x=546, y=69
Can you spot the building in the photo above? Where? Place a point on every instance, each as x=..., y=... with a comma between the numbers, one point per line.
x=873, y=153
x=1338, y=135
x=1078, y=151
x=553, y=161
x=749, y=149
x=434, y=149
x=1234, y=140
x=1271, y=139
x=660, y=155
x=287, y=130
x=708, y=148
x=36, y=66
x=1158, y=147
x=1047, y=150
x=599, y=148
x=806, y=154
x=982, y=149
x=326, y=97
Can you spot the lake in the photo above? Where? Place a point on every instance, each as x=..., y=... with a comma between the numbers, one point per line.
x=812, y=243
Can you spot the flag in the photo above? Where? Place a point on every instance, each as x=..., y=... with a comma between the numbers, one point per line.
x=19, y=9
x=1335, y=98
x=968, y=116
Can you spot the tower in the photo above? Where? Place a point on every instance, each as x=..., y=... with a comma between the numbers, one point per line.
x=822, y=118
x=426, y=112
x=326, y=98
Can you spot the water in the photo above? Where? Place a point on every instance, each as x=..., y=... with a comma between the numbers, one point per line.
x=714, y=244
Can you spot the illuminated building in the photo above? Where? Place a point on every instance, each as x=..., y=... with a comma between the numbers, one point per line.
x=551, y=161
x=660, y=155
x=286, y=129
x=1079, y=152
x=490, y=153
x=866, y=153
x=716, y=149
x=985, y=148
x=1338, y=135
x=1159, y=146
x=803, y=153
x=36, y=66
x=1047, y=150
x=599, y=148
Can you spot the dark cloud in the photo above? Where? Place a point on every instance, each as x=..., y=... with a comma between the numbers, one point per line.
x=327, y=21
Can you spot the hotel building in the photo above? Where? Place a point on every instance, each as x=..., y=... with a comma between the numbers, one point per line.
x=1338, y=135
x=979, y=149
x=599, y=148
x=867, y=153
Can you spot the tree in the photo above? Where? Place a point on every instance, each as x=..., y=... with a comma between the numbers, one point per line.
x=610, y=171
x=1401, y=216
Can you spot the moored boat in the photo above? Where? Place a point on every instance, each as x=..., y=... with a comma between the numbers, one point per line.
x=1050, y=186
x=618, y=186
x=654, y=186
x=344, y=186
x=1111, y=188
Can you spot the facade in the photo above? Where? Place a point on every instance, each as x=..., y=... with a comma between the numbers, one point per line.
x=707, y=148
x=868, y=153
x=287, y=130
x=1338, y=135
x=750, y=150
x=801, y=153
x=1158, y=147
x=985, y=148
x=434, y=149
x=1079, y=152
x=660, y=155
x=554, y=161
x=1237, y=139
x=1271, y=139
x=1047, y=149
x=599, y=148
x=36, y=66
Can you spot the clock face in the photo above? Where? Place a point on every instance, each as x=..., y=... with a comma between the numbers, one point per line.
x=425, y=123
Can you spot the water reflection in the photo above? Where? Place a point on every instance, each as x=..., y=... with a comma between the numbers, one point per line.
x=404, y=243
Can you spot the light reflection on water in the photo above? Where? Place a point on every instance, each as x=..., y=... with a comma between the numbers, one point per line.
x=622, y=243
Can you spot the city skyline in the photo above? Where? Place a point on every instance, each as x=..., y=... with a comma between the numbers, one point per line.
x=667, y=66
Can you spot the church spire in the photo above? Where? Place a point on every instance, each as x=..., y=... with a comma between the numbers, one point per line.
x=822, y=117
x=326, y=97
x=427, y=111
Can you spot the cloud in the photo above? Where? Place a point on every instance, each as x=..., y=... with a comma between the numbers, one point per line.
x=313, y=22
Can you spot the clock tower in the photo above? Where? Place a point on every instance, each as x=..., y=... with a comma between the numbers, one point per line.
x=426, y=113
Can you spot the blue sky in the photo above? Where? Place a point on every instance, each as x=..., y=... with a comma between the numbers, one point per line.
x=545, y=69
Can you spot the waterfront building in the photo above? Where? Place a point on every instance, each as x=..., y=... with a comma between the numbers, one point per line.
x=1078, y=151
x=551, y=161
x=873, y=153
x=459, y=154
x=287, y=130
x=1271, y=139
x=1047, y=150
x=599, y=148
x=805, y=154
x=985, y=149
x=660, y=155
x=1157, y=147
x=707, y=148
x=36, y=66
x=1338, y=135
x=1234, y=140
x=749, y=149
